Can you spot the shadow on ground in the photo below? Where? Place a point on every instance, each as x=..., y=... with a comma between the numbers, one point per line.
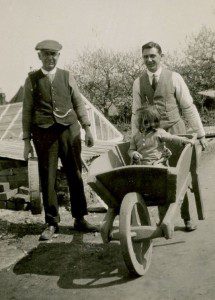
x=20, y=229
x=78, y=264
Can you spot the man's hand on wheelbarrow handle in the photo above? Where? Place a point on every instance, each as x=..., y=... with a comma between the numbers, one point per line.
x=203, y=142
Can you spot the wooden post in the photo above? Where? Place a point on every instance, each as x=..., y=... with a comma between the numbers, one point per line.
x=195, y=181
x=34, y=186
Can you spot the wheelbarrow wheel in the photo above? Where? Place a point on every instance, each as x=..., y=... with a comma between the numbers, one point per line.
x=137, y=254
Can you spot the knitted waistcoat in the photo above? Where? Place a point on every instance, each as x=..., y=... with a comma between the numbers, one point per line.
x=163, y=97
x=52, y=101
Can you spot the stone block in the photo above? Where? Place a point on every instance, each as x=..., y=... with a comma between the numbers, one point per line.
x=23, y=190
x=22, y=197
x=3, y=205
x=21, y=201
x=11, y=204
x=4, y=186
x=20, y=205
x=4, y=196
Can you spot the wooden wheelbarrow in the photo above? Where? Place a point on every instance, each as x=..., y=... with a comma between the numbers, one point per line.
x=129, y=190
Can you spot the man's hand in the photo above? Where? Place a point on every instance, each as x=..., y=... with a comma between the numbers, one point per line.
x=89, y=142
x=203, y=142
x=28, y=149
x=187, y=141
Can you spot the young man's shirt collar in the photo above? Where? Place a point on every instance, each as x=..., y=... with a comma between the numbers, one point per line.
x=157, y=73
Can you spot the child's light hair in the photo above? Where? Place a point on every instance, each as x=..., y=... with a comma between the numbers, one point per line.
x=149, y=113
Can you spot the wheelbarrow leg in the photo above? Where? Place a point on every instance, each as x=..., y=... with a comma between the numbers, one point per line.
x=196, y=183
x=107, y=224
x=167, y=223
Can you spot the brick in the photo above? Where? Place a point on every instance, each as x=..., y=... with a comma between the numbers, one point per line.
x=11, y=204
x=21, y=201
x=4, y=186
x=4, y=196
x=23, y=190
x=3, y=205
x=16, y=176
x=20, y=204
x=22, y=197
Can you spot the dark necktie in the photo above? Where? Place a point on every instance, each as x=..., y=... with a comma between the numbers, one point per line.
x=154, y=82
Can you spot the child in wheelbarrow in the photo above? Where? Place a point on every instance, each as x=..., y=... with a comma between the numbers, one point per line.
x=147, y=147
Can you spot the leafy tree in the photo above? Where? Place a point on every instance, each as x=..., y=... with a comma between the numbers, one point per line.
x=106, y=77
x=196, y=63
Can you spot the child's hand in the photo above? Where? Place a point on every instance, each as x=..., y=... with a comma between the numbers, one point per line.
x=188, y=141
x=137, y=156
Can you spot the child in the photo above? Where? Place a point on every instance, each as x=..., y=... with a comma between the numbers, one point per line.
x=147, y=147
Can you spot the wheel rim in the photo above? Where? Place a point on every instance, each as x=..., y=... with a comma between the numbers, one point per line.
x=137, y=255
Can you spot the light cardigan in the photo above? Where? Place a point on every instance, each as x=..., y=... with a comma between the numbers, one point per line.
x=152, y=145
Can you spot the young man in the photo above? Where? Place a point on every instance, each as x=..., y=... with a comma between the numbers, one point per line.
x=168, y=92
x=52, y=107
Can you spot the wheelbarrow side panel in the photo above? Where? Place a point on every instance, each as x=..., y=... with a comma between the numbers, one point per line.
x=103, y=192
x=149, y=181
x=105, y=162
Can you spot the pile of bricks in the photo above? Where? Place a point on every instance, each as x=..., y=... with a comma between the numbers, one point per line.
x=15, y=199
x=18, y=198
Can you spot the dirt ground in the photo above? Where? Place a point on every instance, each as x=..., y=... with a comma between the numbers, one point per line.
x=79, y=266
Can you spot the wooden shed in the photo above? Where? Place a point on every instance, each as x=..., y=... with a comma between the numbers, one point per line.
x=15, y=172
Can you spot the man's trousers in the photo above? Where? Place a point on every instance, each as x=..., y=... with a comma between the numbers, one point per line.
x=50, y=144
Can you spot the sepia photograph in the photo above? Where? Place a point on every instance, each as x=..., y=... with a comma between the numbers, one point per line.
x=107, y=149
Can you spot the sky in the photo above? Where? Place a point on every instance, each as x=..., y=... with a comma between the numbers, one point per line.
x=90, y=24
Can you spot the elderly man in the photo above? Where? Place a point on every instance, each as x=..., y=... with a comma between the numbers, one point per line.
x=168, y=92
x=52, y=107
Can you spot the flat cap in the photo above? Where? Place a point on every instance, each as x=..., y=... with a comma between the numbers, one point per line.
x=49, y=45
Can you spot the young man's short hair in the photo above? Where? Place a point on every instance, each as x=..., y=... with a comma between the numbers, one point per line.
x=152, y=45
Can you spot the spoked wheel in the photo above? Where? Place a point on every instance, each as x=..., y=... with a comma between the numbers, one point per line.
x=136, y=254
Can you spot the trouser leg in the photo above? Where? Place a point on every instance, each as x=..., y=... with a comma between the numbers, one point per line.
x=185, y=213
x=180, y=128
x=70, y=153
x=46, y=146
